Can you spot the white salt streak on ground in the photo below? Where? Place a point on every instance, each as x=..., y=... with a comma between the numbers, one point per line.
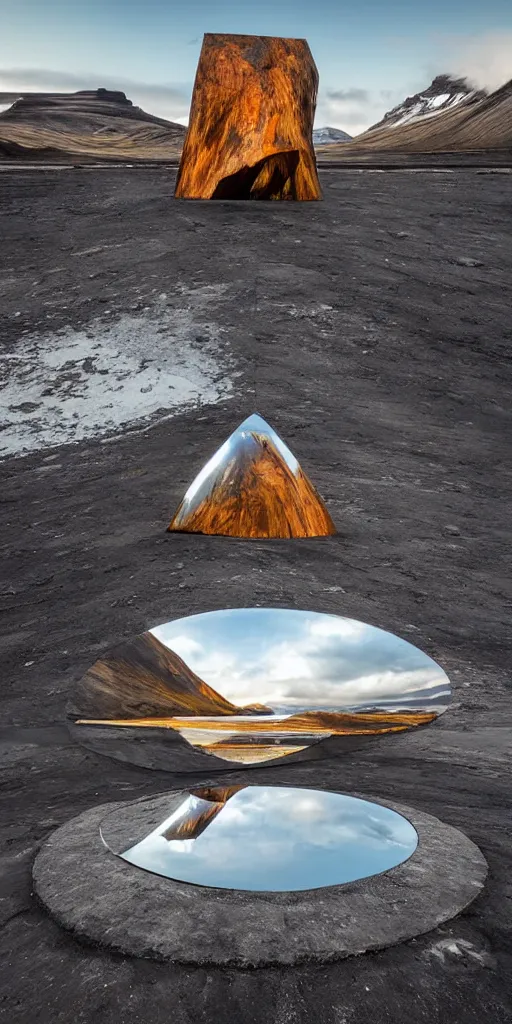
x=79, y=384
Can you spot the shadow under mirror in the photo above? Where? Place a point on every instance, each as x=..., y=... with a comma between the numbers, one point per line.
x=264, y=838
x=251, y=685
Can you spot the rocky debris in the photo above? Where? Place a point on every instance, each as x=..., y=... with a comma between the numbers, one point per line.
x=468, y=261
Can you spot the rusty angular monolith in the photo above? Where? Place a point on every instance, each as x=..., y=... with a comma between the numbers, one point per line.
x=251, y=121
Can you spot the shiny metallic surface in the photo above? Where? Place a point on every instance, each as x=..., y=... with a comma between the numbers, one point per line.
x=272, y=839
x=253, y=487
x=251, y=685
x=269, y=838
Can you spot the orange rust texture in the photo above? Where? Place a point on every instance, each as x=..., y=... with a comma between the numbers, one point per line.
x=331, y=723
x=216, y=794
x=142, y=678
x=198, y=819
x=258, y=496
x=251, y=121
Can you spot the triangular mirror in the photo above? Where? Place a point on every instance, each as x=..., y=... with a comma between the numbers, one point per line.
x=253, y=487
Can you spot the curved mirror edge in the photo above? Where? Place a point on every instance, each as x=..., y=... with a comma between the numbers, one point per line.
x=251, y=686
x=271, y=839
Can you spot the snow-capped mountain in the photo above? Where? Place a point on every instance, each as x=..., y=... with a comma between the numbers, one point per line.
x=327, y=136
x=443, y=93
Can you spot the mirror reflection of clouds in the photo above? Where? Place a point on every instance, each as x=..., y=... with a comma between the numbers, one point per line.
x=292, y=660
x=271, y=838
x=201, y=485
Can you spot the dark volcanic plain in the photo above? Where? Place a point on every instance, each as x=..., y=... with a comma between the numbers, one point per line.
x=373, y=331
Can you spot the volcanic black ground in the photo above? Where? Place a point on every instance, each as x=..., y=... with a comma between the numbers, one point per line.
x=373, y=331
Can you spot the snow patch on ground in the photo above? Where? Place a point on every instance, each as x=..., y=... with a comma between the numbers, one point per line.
x=79, y=384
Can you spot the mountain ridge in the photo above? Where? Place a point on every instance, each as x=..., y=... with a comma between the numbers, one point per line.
x=102, y=125
x=86, y=106
x=91, y=124
x=443, y=93
x=480, y=123
x=144, y=678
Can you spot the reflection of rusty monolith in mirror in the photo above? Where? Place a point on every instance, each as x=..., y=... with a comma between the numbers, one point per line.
x=199, y=808
x=253, y=487
x=251, y=121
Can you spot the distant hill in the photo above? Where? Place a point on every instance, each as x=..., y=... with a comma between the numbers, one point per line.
x=472, y=122
x=329, y=136
x=100, y=124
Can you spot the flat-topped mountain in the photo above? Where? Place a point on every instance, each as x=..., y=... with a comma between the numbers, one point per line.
x=87, y=108
x=97, y=124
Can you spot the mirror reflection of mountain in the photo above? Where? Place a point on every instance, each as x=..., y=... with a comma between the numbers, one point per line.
x=251, y=685
x=266, y=838
x=144, y=679
x=253, y=487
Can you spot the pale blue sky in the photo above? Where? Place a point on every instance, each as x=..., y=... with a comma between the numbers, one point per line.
x=370, y=55
x=300, y=660
x=272, y=838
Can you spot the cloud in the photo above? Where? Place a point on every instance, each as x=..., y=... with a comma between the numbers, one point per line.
x=355, y=109
x=167, y=100
x=307, y=662
x=282, y=837
x=349, y=95
x=184, y=646
x=485, y=60
x=332, y=627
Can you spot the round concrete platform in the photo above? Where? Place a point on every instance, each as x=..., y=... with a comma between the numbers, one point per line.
x=103, y=899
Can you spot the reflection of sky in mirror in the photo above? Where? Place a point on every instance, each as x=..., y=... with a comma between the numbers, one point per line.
x=291, y=660
x=200, y=487
x=270, y=838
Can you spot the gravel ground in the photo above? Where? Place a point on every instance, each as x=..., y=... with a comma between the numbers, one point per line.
x=373, y=331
